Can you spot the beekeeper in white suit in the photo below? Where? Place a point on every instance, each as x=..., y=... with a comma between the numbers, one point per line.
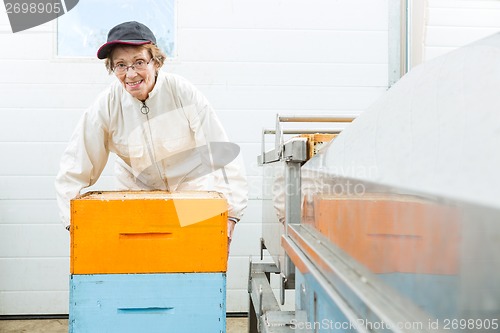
x=163, y=130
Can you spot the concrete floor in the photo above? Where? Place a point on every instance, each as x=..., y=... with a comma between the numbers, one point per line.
x=234, y=325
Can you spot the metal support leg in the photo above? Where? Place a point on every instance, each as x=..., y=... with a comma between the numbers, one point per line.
x=252, y=318
x=260, y=293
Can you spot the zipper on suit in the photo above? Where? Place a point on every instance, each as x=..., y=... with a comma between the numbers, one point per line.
x=150, y=145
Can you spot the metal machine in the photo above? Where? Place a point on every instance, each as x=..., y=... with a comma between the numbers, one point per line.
x=282, y=209
x=394, y=226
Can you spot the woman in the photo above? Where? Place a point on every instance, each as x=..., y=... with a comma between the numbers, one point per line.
x=162, y=129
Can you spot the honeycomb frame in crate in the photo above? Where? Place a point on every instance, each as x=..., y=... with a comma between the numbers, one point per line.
x=316, y=141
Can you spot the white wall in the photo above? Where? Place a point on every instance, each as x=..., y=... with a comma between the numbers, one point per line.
x=252, y=59
x=454, y=23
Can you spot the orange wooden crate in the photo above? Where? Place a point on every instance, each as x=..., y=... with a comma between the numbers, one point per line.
x=148, y=232
x=392, y=233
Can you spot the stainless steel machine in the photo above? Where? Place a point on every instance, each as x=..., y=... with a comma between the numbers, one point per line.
x=394, y=225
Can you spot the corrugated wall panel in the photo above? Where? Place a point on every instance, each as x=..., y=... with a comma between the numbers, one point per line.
x=46, y=96
x=24, y=124
x=290, y=14
x=44, y=71
x=291, y=99
x=37, y=301
x=47, y=154
x=451, y=24
x=21, y=269
x=39, y=212
x=30, y=187
x=282, y=74
x=297, y=46
x=11, y=248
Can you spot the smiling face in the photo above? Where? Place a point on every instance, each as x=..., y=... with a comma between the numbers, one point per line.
x=138, y=83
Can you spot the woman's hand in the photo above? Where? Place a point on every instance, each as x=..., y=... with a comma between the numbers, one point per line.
x=230, y=228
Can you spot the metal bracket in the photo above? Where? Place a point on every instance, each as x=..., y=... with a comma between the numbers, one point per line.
x=262, y=248
x=275, y=154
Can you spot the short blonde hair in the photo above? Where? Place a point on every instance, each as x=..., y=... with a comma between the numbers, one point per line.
x=158, y=55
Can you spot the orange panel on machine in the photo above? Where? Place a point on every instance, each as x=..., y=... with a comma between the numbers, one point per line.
x=392, y=233
x=148, y=232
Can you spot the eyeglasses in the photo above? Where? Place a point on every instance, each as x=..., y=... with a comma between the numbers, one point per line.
x=139, y=65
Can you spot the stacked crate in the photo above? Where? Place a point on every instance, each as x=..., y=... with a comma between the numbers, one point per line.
x=148, y=262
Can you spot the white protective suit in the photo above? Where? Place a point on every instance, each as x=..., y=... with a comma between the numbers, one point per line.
x=165, y=143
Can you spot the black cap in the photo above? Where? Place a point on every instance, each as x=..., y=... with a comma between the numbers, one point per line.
x=128, y=33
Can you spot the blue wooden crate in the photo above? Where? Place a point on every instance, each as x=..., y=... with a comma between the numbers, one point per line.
x=184, y=302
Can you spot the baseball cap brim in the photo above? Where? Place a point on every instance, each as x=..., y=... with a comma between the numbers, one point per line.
x=104, y=50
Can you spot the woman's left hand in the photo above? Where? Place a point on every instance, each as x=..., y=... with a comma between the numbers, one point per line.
x=230, y=229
